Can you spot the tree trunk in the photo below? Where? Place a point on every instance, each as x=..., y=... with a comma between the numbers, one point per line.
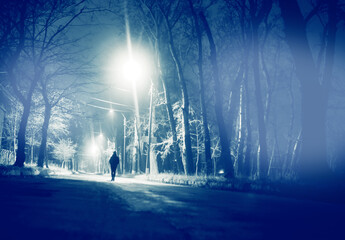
x=20, y=156
x=233, y=106
x=43, y=146
x=263, y=157
x=188, y=155
x=207, y=141
x=234, y=111
x=239, y=128
x=248, y=159
x=248, y=169
x=226, y=157
x=147, y=170
x=176, y=148
x=313, y=163
x=289, y=149
x=32, y=148
x=197, y=162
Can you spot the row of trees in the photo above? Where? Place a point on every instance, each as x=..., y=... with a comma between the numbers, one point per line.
x=40, y=60
x=58, y=130
x=264, y=71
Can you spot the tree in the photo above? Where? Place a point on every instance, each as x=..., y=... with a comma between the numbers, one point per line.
x=258, y=13
x=170, y=17
x=56, y=87
x=29, y=40
x=14, y=42
x=207, y=140
x=314, y=88
x=64, y=150
x=156, y=33
x=42, y=27
x=226, y=157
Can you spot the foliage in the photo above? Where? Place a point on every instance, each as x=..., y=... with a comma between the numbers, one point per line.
x=64, y=150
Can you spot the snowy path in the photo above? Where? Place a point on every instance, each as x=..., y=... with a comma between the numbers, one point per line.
x=92, y=207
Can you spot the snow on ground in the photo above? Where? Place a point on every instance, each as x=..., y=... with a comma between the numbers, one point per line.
x=90, y=206
x=21, y=171
x=32, y=170
x=332, y=191
x=328, y=193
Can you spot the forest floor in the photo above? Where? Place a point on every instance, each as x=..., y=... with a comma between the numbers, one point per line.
x=90, y=206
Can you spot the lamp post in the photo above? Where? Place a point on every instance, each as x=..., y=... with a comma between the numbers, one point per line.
x=149, y=133
x=133, y=71
x=124, y=144
x=133, y=65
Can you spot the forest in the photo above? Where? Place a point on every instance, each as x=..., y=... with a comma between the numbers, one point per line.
x=242, y=89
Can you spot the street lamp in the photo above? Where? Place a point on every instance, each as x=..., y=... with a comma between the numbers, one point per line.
x=136, y=68
x=124, y=143
x=149, y=133
x=132, y=70
x=133, y=65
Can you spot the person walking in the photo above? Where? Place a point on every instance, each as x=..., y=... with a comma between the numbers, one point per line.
x=113, y=161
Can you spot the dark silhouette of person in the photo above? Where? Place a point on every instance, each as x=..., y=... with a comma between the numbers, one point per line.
x=113, y=161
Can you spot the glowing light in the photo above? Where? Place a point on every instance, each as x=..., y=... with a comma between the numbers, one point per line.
x=135, y=66
x=132, y=70
x=93, y=150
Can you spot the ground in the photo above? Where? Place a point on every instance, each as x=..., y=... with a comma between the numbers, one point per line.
x=85, y=206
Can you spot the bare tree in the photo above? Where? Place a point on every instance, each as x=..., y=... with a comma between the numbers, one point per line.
x=171, y=13
x=226, y=157
x=152, y=13
x=22, y=91
x=314, y=88
x=207, y=140
x=36, y=34
x=258, y=13
x=44, y=41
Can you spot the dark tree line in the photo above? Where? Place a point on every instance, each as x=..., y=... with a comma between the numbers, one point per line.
x=269, y=48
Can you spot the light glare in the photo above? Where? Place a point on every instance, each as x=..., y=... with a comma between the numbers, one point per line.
x=93, y=149
x=132, y=70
